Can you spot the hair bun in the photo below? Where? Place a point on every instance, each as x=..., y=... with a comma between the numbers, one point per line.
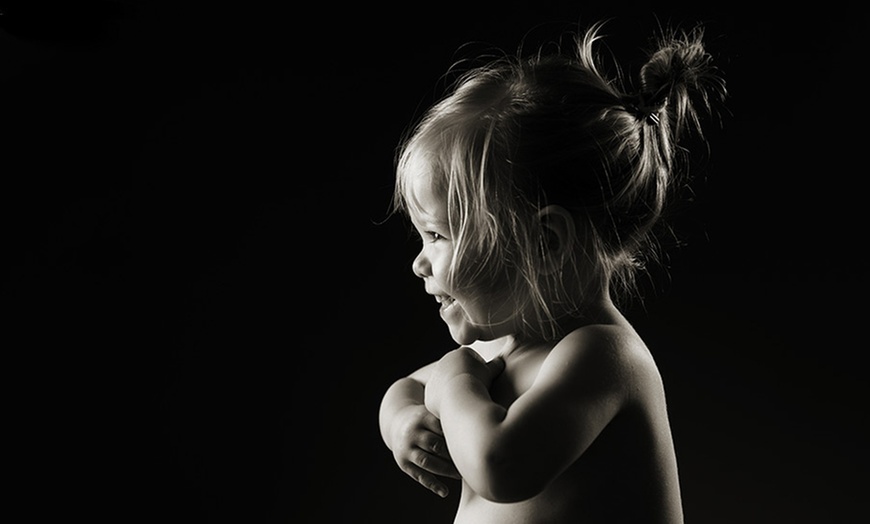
x=679, y=77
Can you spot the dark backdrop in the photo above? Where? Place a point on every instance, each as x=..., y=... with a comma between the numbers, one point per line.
x=204, y=302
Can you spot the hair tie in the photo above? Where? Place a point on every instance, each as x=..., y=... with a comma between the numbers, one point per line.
x=642, y=111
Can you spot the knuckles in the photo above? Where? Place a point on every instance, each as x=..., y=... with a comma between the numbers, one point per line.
x=420, y=458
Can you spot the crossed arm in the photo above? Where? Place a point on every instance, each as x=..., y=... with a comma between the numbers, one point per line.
x=414, y=434
x=505, y=454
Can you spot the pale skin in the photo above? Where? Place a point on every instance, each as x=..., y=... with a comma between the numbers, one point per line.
x=569, y=431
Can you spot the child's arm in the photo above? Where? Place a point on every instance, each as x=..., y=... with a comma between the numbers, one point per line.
x=511, y=454
x=414, y=434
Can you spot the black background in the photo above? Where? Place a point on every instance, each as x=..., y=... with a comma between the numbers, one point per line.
x=204, y=303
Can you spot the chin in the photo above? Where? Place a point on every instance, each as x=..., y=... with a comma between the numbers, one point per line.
x=464, y=335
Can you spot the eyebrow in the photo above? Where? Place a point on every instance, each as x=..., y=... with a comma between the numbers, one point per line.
x=430, y=219
x=427, y=225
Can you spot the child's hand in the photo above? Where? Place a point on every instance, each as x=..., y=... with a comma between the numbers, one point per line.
x=420, y=449
x=460, y=361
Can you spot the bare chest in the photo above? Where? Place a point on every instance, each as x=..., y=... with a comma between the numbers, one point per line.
x=518, y=376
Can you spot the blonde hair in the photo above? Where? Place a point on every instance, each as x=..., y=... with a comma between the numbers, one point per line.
x=518, y=134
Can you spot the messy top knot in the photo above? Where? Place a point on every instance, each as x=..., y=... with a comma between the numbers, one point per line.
x=680, y=76
x=521, y=133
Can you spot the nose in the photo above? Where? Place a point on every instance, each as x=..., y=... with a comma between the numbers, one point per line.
x=421, y=266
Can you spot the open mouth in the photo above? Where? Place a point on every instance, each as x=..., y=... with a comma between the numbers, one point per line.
x=446, y=301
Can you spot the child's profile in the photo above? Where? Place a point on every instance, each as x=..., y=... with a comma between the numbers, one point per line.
x=535, y=186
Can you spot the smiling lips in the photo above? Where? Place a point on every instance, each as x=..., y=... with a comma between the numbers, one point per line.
x=446, y=301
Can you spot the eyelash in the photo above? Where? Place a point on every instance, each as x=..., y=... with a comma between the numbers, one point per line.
x=432, y=236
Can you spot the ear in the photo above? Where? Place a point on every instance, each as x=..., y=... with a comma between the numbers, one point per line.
x=559, y=230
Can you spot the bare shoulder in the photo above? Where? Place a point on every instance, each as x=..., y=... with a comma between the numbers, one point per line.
x=614, y=353
x=617, y=342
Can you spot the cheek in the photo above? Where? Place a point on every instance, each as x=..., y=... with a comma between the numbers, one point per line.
x=485, y=288
x=441, y=261
x=486, y=304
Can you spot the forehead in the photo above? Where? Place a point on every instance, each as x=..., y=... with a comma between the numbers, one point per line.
x=427, y=202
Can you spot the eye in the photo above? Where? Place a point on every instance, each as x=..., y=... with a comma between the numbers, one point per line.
x=432, y=236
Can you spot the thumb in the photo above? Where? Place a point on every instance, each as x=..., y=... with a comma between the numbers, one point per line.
x=495, y=366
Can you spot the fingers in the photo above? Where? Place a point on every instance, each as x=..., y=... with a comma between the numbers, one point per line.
x=428, y=452
x=421, y=451
x=431, y=423
x=435, y=444
x=432, y=463
x=428, y=480
x=434, y=458
x=495, y=366
x=427, y=460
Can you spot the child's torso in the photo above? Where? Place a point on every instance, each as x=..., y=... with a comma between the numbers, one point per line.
x=619, y=478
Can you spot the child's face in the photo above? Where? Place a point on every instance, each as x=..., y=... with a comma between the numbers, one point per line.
x=469, y=312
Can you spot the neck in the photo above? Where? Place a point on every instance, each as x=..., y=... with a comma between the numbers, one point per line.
x=600, y=311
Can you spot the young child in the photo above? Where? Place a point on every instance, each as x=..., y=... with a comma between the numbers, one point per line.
x=535, y=186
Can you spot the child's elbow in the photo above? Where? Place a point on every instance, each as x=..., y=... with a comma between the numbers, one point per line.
x=504, y=480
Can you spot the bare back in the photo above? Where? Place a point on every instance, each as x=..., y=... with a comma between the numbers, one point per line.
x=627, y=474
